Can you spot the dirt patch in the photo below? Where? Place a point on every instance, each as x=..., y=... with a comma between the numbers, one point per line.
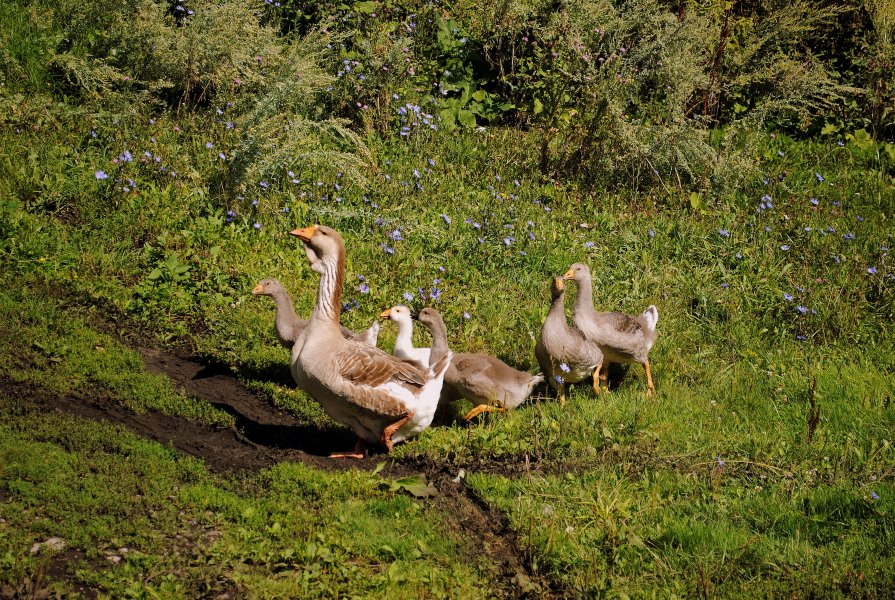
x=487, y=533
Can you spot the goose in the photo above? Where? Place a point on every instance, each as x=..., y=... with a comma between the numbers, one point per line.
x=288, y=326
x=563, y=352
x=488, y=382
x=383, y=399
x=404, y=349
x=622, y=337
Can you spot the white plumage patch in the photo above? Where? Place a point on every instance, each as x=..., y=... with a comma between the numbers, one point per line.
x=651, y=316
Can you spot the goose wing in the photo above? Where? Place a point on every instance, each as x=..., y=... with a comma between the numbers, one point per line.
x=375, y=381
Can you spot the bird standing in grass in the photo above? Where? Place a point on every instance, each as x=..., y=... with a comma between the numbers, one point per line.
x=488, y=382
x=563, y=352
x=623, y=338
x=383, y=399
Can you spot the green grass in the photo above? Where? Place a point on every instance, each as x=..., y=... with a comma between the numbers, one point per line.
x=722, y=485
x=151, y=523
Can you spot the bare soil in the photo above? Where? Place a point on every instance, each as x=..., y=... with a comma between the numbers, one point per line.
x=266, y=435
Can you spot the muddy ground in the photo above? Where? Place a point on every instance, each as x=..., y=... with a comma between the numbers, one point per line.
x=266, y=435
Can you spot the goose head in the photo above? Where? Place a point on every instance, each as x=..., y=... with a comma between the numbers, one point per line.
x=267, y=287
x=321, y=243
x=579, y=272
x=399, y=314
x=431, y=318
x=557, y=287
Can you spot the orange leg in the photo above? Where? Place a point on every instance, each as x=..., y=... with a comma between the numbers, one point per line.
x=389, y=431
x=482, y=408
x=596, y=376
x=359, y=451
x=604, y=376
x=650, y=389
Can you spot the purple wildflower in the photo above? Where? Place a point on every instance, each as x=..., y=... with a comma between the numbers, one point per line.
x=446, y=218
x=724, y=233
x=784, y=247
x=820, y=178
x=871, y=270
x=257, y=225
x=364, y=288
x=100, y=174
x=564, y=367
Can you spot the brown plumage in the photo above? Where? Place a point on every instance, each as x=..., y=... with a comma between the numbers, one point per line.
x=485, y=380
x=622, y=337
x=382, y=398
x=563, y=352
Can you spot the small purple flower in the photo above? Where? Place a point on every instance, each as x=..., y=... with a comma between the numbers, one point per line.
x=435, y=294
x=801, y=338
x=440, y=269
x=813, y=202
x=820, y=178
x=416, y=173
x=509, y=240
x=564, y=367
x=386, y=248
x=222, y=156
x=874, y=495
x=431, y=162
x=466, y=315
x=652, y=233
x=871, y=270
x=720, y=462
x=849, y=236
x=860, y=219
x=802, y=309
x=559, y=379
x=787, y=297
x=364, y=288
x=588, y=244
x=724, y=285
x=209, y=145
x=446, y=218
x=230, y=125
x=836, y=259
x=264, y=184
x=100, y=174
x=724, y=233
x=784, y=247
x=408, y=296
x=257, y=225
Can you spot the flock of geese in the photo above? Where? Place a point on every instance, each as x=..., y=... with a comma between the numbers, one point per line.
x=386, y=399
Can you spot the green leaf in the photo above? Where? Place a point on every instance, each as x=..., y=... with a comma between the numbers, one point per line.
x=416, y=485
x=538, y=107
x=480, y=95
x=366, y=8
x=830, y=128
x=467, y=119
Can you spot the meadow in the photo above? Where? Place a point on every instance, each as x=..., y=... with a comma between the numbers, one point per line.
x=152, y=443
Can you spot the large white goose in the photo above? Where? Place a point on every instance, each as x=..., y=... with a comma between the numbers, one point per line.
x=622, y=337
x=485, y=380
x=382, y=398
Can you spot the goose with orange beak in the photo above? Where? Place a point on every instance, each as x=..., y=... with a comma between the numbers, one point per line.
x=382, y=398
x=622, y=338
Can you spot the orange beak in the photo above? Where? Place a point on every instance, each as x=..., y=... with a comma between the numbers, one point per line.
x=385, y=314
x=559, y=282
x=258, y=289
x=304, y=234
x=570, y=274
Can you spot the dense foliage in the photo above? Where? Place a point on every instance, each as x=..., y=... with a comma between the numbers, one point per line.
x=730, y=162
